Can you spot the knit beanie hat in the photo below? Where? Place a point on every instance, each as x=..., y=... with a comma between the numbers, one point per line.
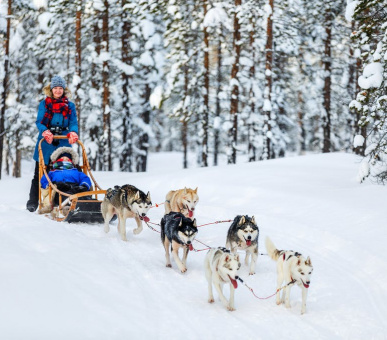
x=57, y=81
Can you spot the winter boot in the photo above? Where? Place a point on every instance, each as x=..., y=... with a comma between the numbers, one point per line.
x=33, y=202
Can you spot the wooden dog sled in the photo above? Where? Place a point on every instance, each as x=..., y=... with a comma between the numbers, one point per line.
x=73, y=208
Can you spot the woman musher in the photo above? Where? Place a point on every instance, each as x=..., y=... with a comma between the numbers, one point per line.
x=56, y=116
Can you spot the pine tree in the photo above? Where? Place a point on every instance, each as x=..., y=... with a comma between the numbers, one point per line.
x=371, y=101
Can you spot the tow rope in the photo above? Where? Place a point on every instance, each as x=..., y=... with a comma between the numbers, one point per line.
x=216, y=222
x=264, y=298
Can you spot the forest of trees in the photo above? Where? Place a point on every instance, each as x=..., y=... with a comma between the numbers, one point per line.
x=259, y=78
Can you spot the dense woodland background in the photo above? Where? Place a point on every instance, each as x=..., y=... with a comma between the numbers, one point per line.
x=237, y=77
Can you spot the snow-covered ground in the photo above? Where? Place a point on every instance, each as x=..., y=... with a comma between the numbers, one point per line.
x=62, y=281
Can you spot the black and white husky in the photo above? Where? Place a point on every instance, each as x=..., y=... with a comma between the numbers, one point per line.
x=243, y=235
x=179, y=232
x=125, y=202
x=292, y=268
x=221, y=268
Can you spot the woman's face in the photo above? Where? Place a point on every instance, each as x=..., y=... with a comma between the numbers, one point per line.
x=57, y=92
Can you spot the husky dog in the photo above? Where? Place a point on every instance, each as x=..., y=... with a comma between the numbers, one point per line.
x=221, y=267
x=125, y=202
x=179, y=232
x=183, y=201
x=243, y=234
x=291, y=268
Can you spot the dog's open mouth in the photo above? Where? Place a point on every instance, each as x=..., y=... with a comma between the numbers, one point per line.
x=144, y=218
x=190, y=247
x=234, y=282
x=305, y=285
x=248, y=242
x=190, y=213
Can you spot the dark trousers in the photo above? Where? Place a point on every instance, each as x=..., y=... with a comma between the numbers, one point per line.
x=34, y=191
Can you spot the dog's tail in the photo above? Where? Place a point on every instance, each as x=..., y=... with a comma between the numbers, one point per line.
x=272, y=251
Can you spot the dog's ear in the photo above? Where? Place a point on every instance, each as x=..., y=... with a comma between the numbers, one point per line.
x=148, y=196
x=196, y=190
x=237, y=257
x=253, y=220
x=137, y=196
x=227, y=258
x=181, y=222
x=185, y=190
x=299, y=262
x=242, y=220
x=308, y=262
x=194, y=222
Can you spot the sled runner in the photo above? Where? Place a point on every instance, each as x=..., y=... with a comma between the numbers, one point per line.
x=73, y=208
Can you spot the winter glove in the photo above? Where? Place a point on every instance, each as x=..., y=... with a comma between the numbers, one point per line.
x=63, y=186
x=73, y=137
x=81, y=188
x=48, y=136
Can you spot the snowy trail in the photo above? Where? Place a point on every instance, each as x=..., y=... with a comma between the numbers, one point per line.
x=74, y=281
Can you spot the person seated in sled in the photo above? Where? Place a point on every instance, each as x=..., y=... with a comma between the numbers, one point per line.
x=56, y=116
x=65, y=175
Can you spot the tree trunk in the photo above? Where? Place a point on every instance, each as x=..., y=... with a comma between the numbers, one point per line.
x=233, y=132
x=327, y=86
x=184, y=128
x=217, y=110
x=204, y=160
x=78, y=62
x=268, y=152
x=5, y=84
x=142, y=157
x=94, y=131
x=250, y=129
x=126, y=155
x=107, y=159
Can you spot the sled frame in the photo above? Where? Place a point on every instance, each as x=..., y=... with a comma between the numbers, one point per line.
x=57, y=214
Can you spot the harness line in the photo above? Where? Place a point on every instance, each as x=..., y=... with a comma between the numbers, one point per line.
x=264, y=298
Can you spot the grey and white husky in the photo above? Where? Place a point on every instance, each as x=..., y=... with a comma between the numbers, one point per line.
x=125, y=202
x=179, y=232
x=243, y=235
x=292, y=268
x=221, y=267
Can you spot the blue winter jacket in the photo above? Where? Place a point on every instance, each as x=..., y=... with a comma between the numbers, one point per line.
x=70, y=123
x=67, y=176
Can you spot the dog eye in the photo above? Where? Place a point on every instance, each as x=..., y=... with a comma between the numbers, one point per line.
x=302, y=274
x=188, y=201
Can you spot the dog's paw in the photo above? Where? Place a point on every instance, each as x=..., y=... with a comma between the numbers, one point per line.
x=211, y=300
x=231, y=309
x=278, y=302
x=137, y=231
x=106, y=229
x=251, y=273
x=168, y=266
x=183, y=270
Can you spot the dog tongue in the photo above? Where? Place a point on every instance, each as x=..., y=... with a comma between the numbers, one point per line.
x=190, y=213
x=305, y=285
x=248, y=242
x=146, y=218
x=190, y=247
x=234, y=282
